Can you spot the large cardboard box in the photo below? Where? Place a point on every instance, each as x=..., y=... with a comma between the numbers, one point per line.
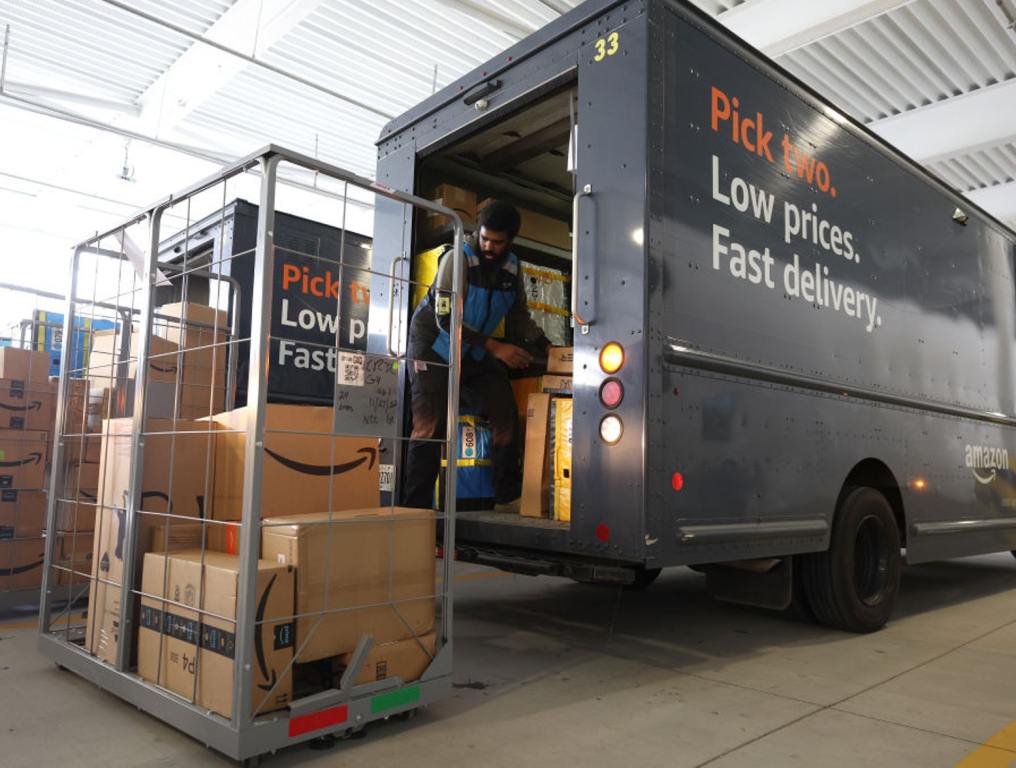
x=561, y=360
x=28, y=405
x=24, y=365
x=178, y=470
x=561, y=458
x=382, y=557
x=22, y=514
x=204, y=672
x=21, y=562
x=200, y=332
x=404, y=659
x=305, y=468
x=22, y=459
x=107, y=362
x=535, y=480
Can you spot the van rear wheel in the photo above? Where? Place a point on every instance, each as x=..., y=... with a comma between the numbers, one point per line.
x=854, y=584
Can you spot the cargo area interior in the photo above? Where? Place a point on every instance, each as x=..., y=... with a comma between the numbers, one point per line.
x=520, y=157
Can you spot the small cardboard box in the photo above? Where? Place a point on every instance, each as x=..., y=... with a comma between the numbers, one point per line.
x=22, y=514
x=561, y=360
x=404, y=659
x=200, y=333
x=460, y=200
x=381, y=557
x=535, y=481
x=522, y=388
x=305, y=469
x=22, y=459
x=203, y=672
x=561, y=458
x=21, y=562
x=24, y=365
x=27, y=406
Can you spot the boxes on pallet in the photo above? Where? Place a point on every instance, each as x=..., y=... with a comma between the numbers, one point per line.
x=22, y=514
x=306, y=469
x=361, y=572
x=22, y=459
x=24, y=365
x=169, y=653
x=27, y=405
x=404, y=659
x=21, y=562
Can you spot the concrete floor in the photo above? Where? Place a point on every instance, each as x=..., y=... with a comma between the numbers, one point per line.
x=551, y=673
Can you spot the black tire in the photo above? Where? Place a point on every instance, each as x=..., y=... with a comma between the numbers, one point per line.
x=853, y=586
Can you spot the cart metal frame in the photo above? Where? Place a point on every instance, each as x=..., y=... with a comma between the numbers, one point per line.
x=349, y=707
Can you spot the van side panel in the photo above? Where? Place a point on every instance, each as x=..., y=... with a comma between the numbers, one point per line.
x=785, y=245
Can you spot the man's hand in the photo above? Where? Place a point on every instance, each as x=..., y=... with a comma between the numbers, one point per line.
x=509, y=354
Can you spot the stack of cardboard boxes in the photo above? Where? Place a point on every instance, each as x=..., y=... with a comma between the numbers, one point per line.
x=27, y=421
x=546, y=403
x=335, y=566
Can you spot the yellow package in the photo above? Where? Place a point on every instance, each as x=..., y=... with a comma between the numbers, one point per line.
x=561, y=458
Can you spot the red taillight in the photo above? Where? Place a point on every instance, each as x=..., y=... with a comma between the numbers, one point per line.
x=677, y=481
x=611, y=393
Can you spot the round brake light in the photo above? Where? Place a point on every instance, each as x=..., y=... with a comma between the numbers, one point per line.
x=611, y=393
x=611, y=357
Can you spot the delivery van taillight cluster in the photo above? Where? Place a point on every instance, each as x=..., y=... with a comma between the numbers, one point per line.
x=611, y=392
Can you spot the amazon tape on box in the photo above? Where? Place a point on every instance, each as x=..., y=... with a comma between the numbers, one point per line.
x=306, y=469
x=193, y=653
x=366, y=571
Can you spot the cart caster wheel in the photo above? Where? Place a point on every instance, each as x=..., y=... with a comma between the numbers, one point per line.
x=407, y=715
x=322, y=743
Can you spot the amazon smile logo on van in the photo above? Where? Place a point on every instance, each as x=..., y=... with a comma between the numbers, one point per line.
x=985, y=461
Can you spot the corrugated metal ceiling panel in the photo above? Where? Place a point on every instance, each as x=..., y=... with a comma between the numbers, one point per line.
x=97, y=47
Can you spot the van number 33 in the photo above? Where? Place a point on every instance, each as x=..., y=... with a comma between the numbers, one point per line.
x=606, y=46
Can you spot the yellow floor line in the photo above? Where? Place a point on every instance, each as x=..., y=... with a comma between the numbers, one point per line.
x=997, y=752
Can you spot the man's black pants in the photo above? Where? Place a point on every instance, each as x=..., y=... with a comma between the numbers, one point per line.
x=485, y=389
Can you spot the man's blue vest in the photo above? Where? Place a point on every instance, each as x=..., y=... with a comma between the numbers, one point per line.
x=485, y=306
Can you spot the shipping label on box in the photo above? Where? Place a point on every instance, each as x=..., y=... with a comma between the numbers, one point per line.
x=193, y=653
x=28, y=405
x=22, y=459
x=364, y=572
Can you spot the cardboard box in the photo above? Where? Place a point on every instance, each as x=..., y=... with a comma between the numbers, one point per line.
x=27, y=406
x=561, y=360
x=22, y=459
x=77, y=505
x=85, y=408
x=561, y=458
x=22, y=514
x=460, y=200
x=107, y=364
x=524, y=387
x=24, y=365
x=302, y=473
x=404, y=659
x=176, y=535
x=73, y=557
x=203, y=673
x=382, y=557
x=21, y=562
x=535, y=481
x=203, y=383
x=536, y=226
x=173, y=481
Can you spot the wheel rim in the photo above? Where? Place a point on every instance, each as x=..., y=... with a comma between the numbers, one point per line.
x=871, y=561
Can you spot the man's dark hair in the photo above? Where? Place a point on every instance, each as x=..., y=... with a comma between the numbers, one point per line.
x=500, y=217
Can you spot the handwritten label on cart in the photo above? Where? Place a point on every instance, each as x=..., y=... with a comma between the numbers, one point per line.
x=366, y=396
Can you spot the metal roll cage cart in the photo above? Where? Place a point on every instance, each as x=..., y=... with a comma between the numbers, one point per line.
x=142, y=283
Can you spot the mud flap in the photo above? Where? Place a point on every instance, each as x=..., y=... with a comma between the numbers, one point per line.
x=760, y=583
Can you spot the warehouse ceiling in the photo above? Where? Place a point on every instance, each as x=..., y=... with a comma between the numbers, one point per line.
x=186, y=85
